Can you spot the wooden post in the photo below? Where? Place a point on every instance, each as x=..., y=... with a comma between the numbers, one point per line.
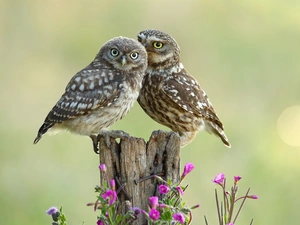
x=133, y=159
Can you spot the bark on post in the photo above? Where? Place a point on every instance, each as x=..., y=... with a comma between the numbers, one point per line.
x=133, y=159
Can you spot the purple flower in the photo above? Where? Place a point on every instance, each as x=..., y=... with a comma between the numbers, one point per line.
x=153, y=201
x=112, y=184
x=237, y=178
x=179, y=217
x=136, y=210
x=99, y=222
x=163, y=189
x=187, y=169
x=52, y=210
x=154, y=214
x=219, y=178
x=102, y=167
x=252, y=196
x=111, y=195
x=179, y=189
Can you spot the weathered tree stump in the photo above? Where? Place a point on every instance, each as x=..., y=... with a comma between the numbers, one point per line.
x=133, y=159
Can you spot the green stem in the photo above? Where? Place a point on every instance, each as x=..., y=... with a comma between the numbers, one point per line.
x=218, y=207
x=233, y=193
x=225, y=199
x=241, y=206
x=251, y=222
x=206, y=223
x=191, y=217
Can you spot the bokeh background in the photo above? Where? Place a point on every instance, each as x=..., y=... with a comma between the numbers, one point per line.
x=245, y=54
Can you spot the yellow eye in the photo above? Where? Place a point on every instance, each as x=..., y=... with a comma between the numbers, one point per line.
x=157, y=44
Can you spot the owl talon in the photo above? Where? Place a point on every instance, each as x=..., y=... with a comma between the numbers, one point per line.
x=118, y=134
x=95, y=141
x=112, y=134
x=106, y=138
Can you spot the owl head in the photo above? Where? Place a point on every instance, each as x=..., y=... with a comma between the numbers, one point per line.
x=124, y=54
x=162, y=49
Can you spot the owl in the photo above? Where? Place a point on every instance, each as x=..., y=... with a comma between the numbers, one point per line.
x=170, y=95
x=101, y=93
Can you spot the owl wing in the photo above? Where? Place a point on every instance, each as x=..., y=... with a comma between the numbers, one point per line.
x=89, y=89
x=185, y=91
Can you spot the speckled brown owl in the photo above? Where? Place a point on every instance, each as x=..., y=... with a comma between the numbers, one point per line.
x=170, y=95
x=102, y=93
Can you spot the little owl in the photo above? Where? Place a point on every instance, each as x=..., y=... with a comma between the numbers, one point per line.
x=101, y=93
x=170, y=95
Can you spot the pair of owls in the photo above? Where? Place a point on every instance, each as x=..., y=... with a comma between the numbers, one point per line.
x=125, y=70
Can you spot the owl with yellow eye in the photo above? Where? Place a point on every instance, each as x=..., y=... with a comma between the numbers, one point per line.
x=170, y=95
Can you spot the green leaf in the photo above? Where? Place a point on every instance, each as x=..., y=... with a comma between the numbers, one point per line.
x=118, y=219
x=166, y=216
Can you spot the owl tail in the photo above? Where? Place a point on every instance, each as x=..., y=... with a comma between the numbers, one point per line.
x=212, y=128
x=43, y=129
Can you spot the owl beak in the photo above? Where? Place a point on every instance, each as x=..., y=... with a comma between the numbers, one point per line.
x=123, y=60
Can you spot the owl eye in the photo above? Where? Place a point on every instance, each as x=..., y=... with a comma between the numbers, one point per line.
x=114, y=52
x=134, y=55
x=157, y=44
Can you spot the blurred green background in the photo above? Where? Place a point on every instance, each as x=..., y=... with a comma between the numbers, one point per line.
x=245, y=54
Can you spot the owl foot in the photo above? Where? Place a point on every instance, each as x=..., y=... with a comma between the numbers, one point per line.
x=107, y=134
x=95, y=141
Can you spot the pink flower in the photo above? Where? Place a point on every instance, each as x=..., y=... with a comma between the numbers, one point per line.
x=99, y=222
x=229, y=224
x=112, y=184
x=153, y=201
x=219, y=178
x=179, y=217
x=111, y=195
x=154, y=214
x=252, y=196
x=179, y=189
x=163, y=189
x=187, y=169
x=102, y=167
x=237, y=178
